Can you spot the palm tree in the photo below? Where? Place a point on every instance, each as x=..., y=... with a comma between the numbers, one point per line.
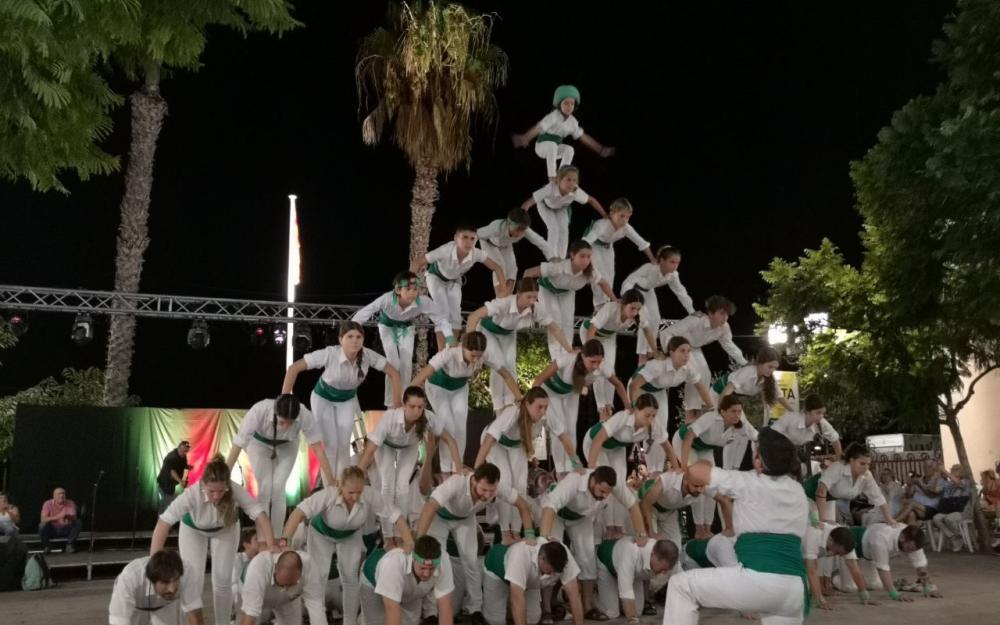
x=427, y=76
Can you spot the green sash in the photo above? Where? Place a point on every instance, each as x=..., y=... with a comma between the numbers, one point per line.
x=371, y=563
x=447, y=515
x=487, y=323
x=399, y=328
x=610, y=443
x=811, y=484
x=546, y=284
x=445, y=381
x=508, y=442
x=494, y=560
x=547, y=137
x=188, y=520
x=335, y=395
x=774, y=553
x=269, y=441
x=320, y=526
x=558, y=385
x=645, y=488
x=394, y=446
x=859, y=533
x=698, y=444
x=649, y=388
x=602, y=333
x=720, y=383
x=566, y=514
x=697, y=550
x=604, y=551
x=433, y=269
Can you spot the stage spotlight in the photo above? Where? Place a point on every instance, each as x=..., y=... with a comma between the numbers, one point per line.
x=279, y=334
x=258, y=336
x=303, y=340
x=18, y=323
x=198, y=335
x=83, y=329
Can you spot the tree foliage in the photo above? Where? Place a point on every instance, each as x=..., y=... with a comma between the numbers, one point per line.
x=532, y=358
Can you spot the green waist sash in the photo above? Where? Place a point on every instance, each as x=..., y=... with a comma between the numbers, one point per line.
x=811, y=484
x=604, y=552
x=491, y=326
x=698, y=444
x=600, y=243
x=645, y=488
x=548, y=137
x=188, y=520
x=393, y=445
x=335, y=395
x=494, y=560
x=558, y=385
x=445, y=381
x=508, y=442
x=780, y=554
x=648, y=387
x=269, y=441
x=433, y=269
x=859, y=533
x=610, y=443
x=386, y=320
x=546, y=284
x=447, y=515
x=371, y=563
x=566, y=514
x=720, y=383
x=697, y=550
x=320, y=526
x=601, y=332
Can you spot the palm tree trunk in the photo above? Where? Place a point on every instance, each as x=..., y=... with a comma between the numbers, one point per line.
x=425, y=195
x=148, y=110
x=979, y=519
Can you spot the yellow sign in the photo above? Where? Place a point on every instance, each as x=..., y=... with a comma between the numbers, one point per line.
x=788, y=387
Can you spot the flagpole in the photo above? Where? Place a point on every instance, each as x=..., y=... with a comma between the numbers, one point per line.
x=293, y=277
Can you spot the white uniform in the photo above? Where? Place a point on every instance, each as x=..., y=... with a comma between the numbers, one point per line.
x=745, y=381
x=793, y=426
x=697, y=329
x=879, y=544
x=661, y=375
x=444, y=278
x=672, y=498
x=496, y=241
x=564, y=405
x=259, y=436
x=396, y=333
x=576, y=509
x=500, y=326
x=334, y=399
x=718, y=551
x=602, y=236
x=622, y=432
x=508, y=454
x=555, y=210
x=608, y=321
x=631, y=567
x=814, y=545
x=457, y=515
x=261, y=595
x=841, y=485
x=448, y=392
x=202, y=527
x=134, y=600
x=647, y=279
x=517, y=564
x=334, y=528
x=762, y=505
x=549, y=145
x=391, y=577
x=557, y=293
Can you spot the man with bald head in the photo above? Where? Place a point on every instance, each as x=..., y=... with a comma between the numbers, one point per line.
x=59, y=520
x=281, y=583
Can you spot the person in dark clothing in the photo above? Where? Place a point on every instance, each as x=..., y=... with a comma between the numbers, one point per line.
x=172, y=474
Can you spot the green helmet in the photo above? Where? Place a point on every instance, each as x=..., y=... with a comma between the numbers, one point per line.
x=563, y=92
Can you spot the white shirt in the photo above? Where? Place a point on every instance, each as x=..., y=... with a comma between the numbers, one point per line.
x=134, y=596
x=711, y=429
x=573, y=492
x=448, y=263
x=764, y=503
x=389, y=304
x=881, y=542
x=555, y=123
x=841, y=485
x=648, y=277
x=497, y=234
x=520, y=567
x=507, y=424
x=260, y=592
x=550, y=197
x=604, y=231
x=394, y=578
x=631, y=563
x=338, y=371
x=696, y=328
x=260, y=419
x=745, y=380
x=663, y=375
x=330, y=504
x=203, y=512
x=609, y=317
x=814, y=546
x=562, y=276
x=455, y=495
x=566, y=363
x=793, y=426
x=391, y=428
x=503, y=311
x=452, y=361
x=621, y=427
x=673, y=496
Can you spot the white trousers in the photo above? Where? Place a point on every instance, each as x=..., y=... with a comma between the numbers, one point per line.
x=513, y=465
x=194, y=547
x=467, y=540
x=556, y=228
x=561, y=307
x=555, y=154
x=495, y=610
x=563, y=409
x=501, y=348
x=272, y=476
x=608, y=592
x=447, y=294
x=604, y=391
x=336, y=422
x=395, y=467
x=350, y=552
x=503, y=256
x=703, y=508
x=950, y=524
x=452, y=407
x=399, y=354
x=734, y=452
x=582, y=544
x=777, y=598
x=614, y=512
x=373, y=607
x=652, y=305
x=603, y=259
x=692, y=400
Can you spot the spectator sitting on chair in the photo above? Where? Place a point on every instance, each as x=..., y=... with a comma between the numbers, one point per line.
x=924, y=495
x=59, y=520
x=991, y=490
x=10, y=516
x=172, y=473
x=954, y=506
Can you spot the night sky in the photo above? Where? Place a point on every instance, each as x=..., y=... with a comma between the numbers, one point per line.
x=734, y=122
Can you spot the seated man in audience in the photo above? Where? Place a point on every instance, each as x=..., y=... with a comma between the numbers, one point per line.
x=10, y=516
x=281, y=583
x=156, y=590
x=519, y=572
x=955, y=506
x=394, y=584
x=59, y=520
x=923, y=493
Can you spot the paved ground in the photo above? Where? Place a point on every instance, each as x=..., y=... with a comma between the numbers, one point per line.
x=969, y=583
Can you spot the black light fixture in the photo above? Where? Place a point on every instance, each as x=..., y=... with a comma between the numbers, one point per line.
x=258, y=336
x=18, y=323
x=279, y=335
x=83, y=329
x=198, y=335
x=303, y=339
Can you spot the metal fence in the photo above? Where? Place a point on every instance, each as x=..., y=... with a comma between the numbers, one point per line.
x=902, y=463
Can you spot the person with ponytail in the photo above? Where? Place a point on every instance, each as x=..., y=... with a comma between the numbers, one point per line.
x=560, y=280
x=209, y=516
x=334, y=399
x=648, y=278
x=602, y=234
x=498, y=238
x=625, y=315
x=655, y=377
x=396, y=312
x=447, y=377
x=567, y=378
x=337, y=518
x=269, y=433
x=509, y=443
x=500, y=319
x=607, y=441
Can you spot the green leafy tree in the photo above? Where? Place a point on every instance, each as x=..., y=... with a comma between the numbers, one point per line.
x=532, y=358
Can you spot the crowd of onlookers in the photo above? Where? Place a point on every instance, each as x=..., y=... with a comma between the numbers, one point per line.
x=59, y=519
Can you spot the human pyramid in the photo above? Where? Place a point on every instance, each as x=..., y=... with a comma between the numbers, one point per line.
x=390, y=540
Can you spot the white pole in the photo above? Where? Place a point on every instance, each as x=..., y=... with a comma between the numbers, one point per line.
x=293, y=277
